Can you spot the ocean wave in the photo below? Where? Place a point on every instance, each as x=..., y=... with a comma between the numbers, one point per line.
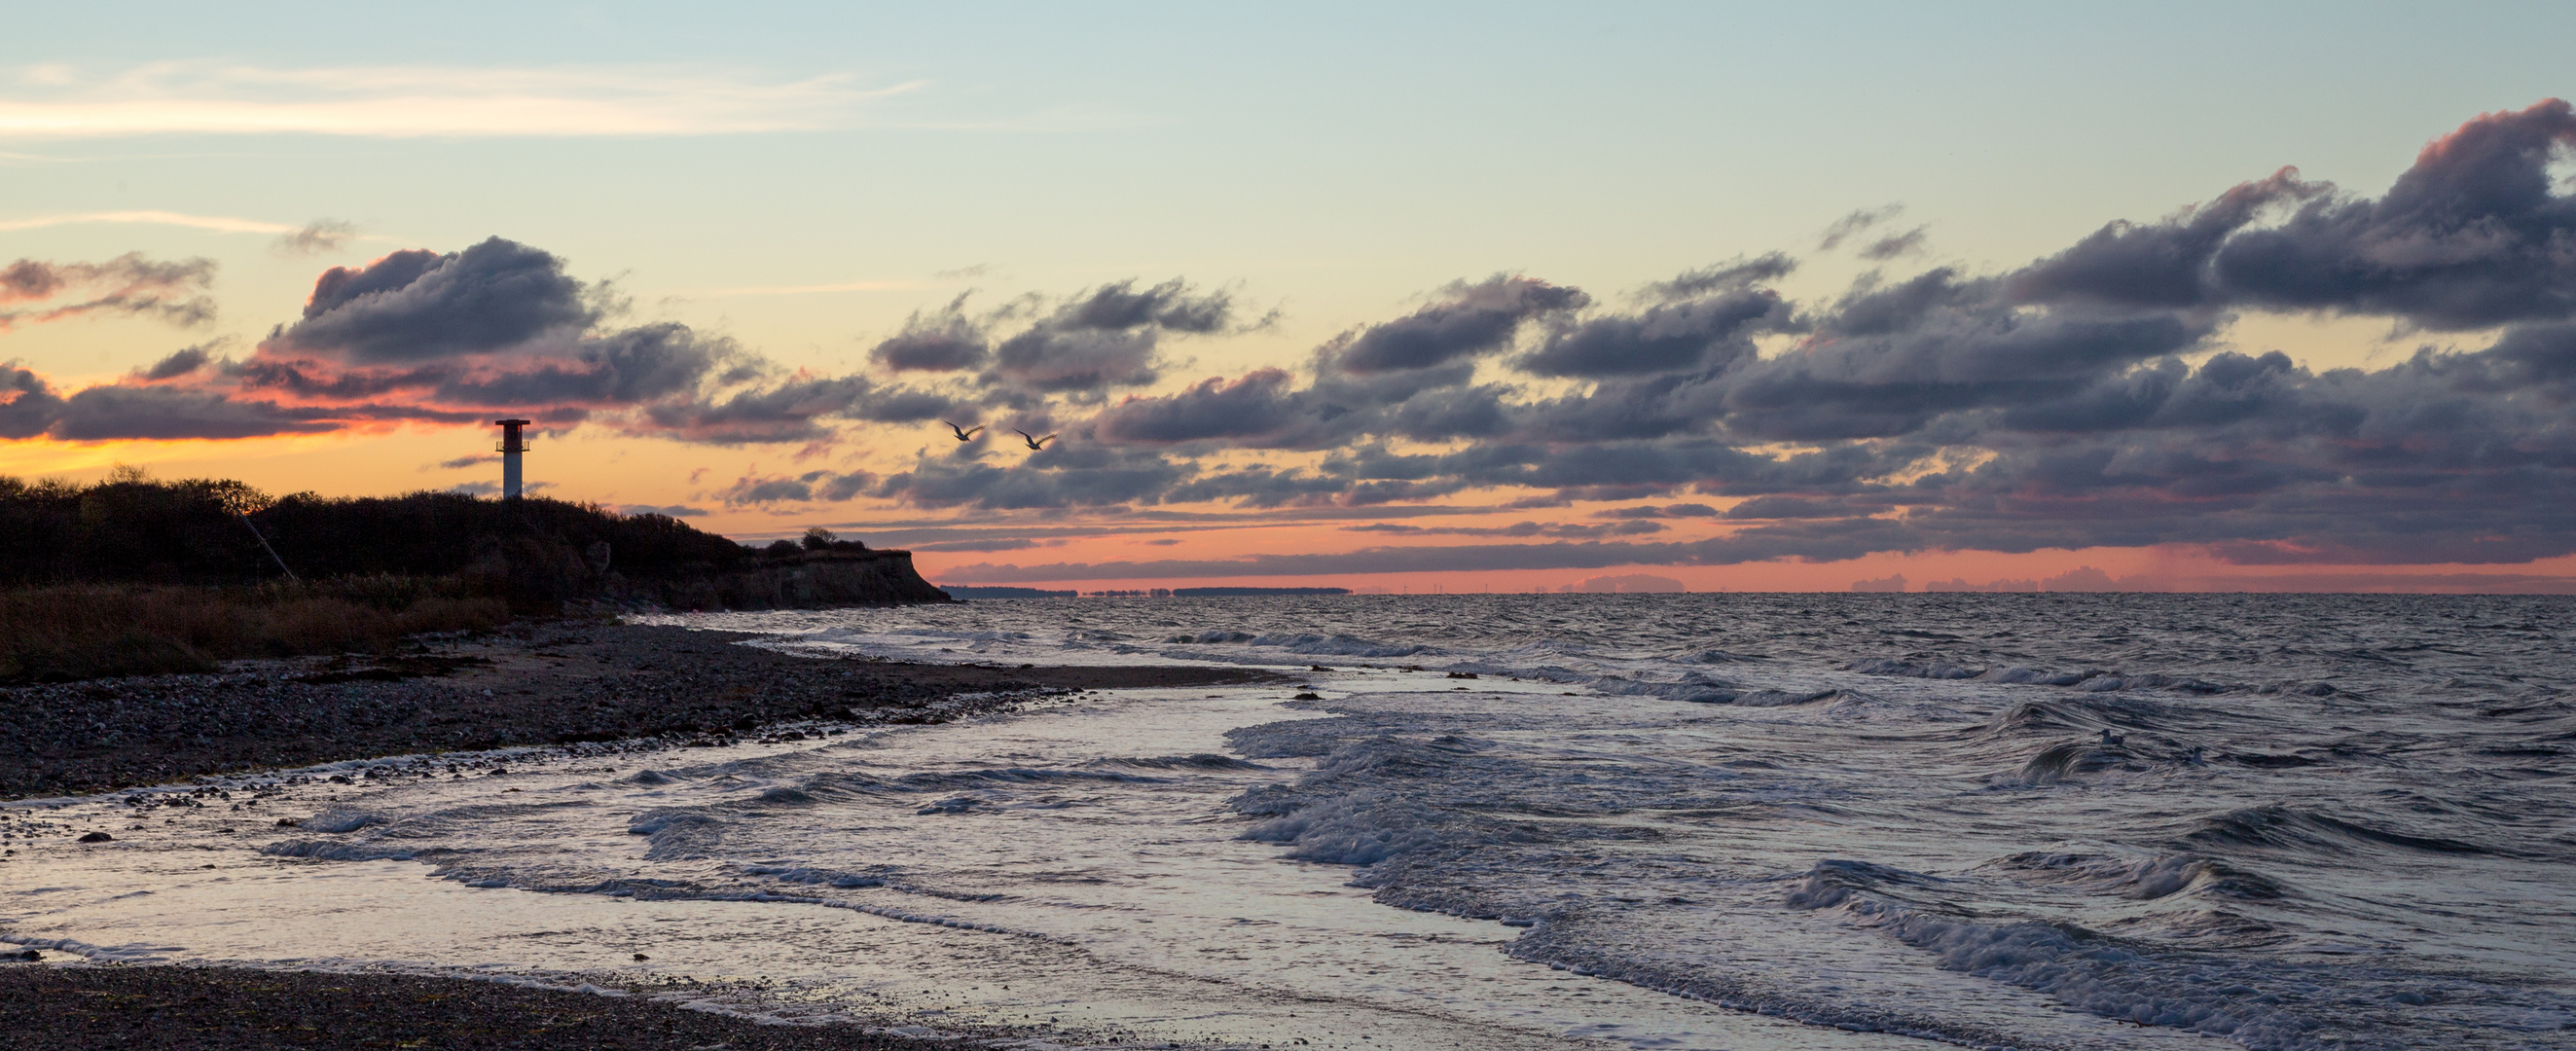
x=347, y=850
x=828, y=877
x=1294, y=739
x=2278, y=826
x=1309, y=644
x=1195, y=761
x=1211, y=637
x=2082, y=714
x=1373, y=826
x=1574, y=947
x=2060, y=762
x=1912, y=670
x=2141, y=878
x=1720, y=657
x=342, y=820
x=2084, y=681
x=678, y=833
x=950, y=780
x=1340, y=814
x=2101, y=975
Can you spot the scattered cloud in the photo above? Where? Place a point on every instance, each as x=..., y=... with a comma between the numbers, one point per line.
x=811, y=486
x=1855, y=224
x=1104, y=338
x=947, y=340
x=173, y=291
x=181, y=363
x=1465, y=321
x=319, y=237
x=1908, y=242
x=207, y=98
x=418, y=305
x=1667, y=511
x=992, y=544
x=217, y=223
x=1575, y=530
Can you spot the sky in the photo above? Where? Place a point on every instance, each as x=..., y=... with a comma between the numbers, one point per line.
x=1390, y=297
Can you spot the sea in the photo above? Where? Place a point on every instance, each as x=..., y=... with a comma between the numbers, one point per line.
x=1487, y=821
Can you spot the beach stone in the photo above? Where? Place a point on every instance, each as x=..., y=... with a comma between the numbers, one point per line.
x=571, y=681
x=96, y=837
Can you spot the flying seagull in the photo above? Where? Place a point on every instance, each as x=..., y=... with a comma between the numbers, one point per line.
x=1034, y=443
x=965, y=434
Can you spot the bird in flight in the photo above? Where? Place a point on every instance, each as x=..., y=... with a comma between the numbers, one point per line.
x=1034, y=443
x=965, y=434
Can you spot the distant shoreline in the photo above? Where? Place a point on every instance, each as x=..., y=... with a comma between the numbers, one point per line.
x=551, y=683
x=970, y=592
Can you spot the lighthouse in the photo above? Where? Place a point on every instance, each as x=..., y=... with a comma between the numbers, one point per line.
x=511, y=446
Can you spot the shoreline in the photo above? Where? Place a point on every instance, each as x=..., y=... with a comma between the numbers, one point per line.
x=573, y=685
x=560, y=683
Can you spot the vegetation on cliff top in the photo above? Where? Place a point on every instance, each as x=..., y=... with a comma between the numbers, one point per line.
x=201, y=531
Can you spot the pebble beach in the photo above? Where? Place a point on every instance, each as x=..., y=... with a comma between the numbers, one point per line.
x=547, y=684
x=570, y=687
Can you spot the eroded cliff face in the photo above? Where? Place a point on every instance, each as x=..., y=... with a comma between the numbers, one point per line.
x=812, y=579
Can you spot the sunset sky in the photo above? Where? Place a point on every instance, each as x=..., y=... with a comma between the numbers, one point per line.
x=1466, y=297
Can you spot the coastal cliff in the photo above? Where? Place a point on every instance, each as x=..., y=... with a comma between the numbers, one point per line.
x=805, y=580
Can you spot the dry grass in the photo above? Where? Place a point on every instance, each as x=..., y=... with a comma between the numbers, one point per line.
x=89, y=631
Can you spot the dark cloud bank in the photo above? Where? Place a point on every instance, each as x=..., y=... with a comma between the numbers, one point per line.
x=2074, y=402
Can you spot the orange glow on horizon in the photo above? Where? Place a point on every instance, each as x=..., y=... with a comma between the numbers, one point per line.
x=598, y=466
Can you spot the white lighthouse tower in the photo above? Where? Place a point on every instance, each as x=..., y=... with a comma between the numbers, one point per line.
x=512, y=445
